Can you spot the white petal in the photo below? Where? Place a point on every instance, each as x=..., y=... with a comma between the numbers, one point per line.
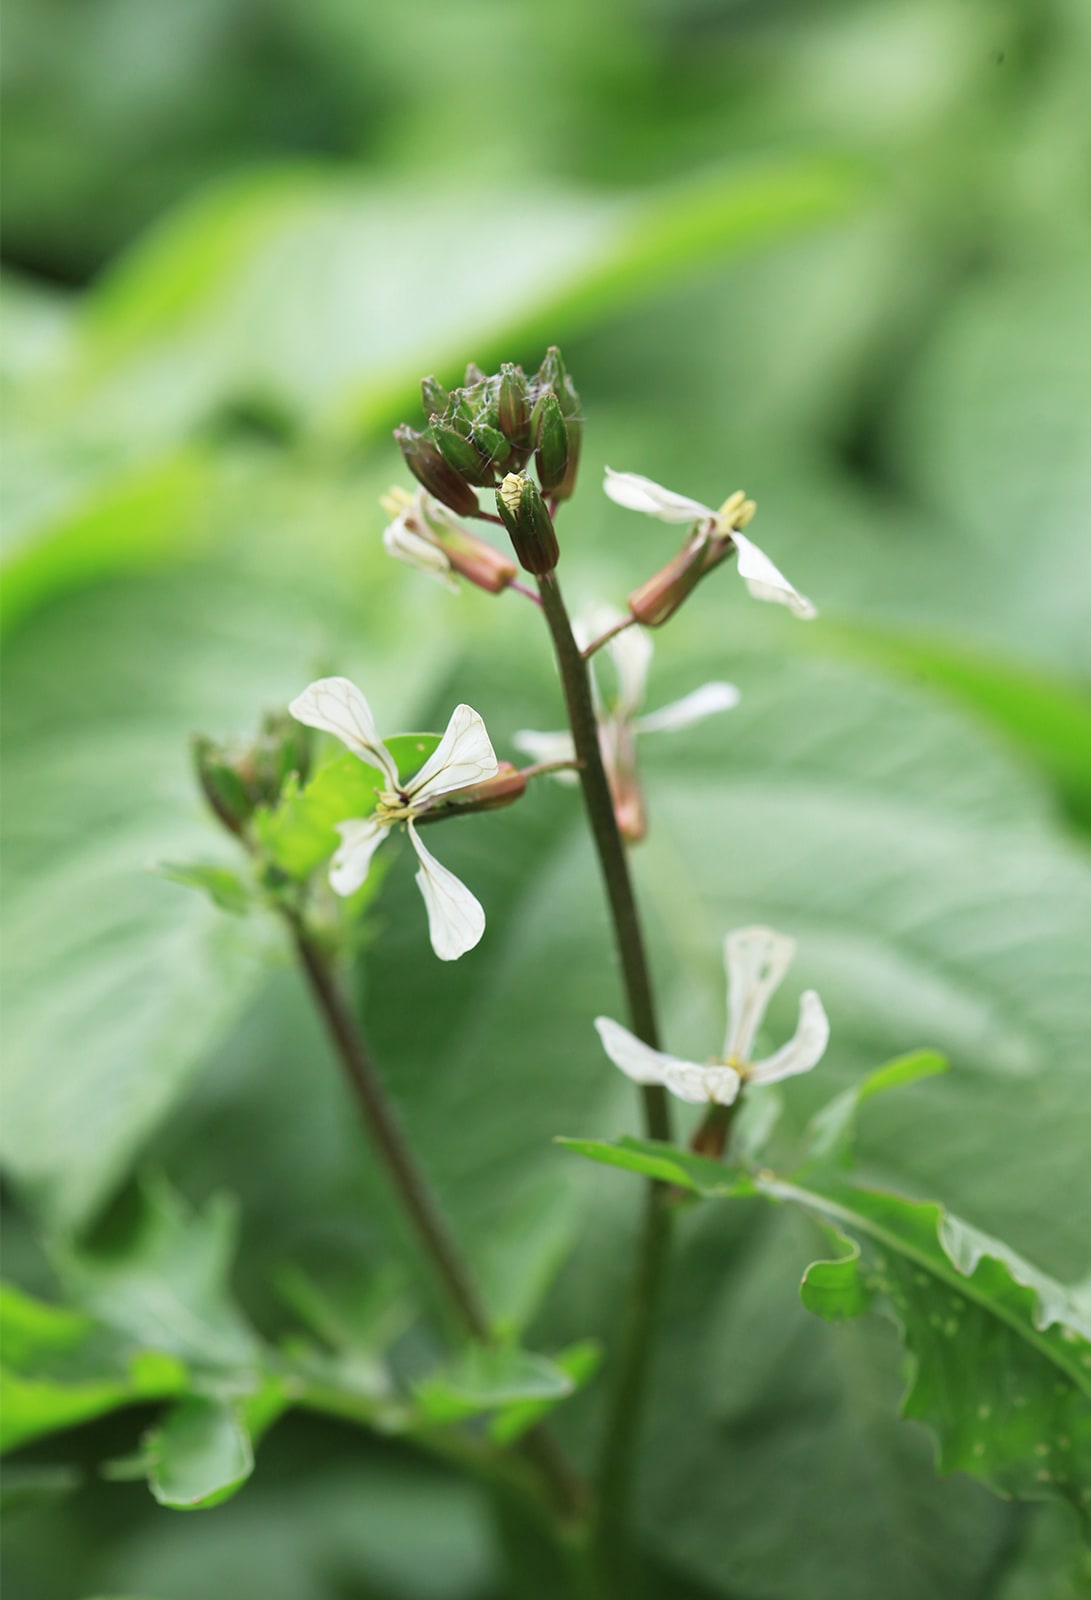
x=404, y=544
x=700, y=1085
x=463, y=756
x=548, y=747
x=360, y=838
x=456, y=920
x=629, y=489
x=703, y=702
x=592, y=621
x=337, y=706
x=756, y=961
x=804, y=1050
x=631, y=652
x=766, y=582
x=635, y=1058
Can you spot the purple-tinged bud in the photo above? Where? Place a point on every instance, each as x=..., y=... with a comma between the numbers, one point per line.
x=428, y=466
x=655, y=601
x=524, y=514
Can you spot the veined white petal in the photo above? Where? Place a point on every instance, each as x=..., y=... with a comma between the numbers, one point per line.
x=464, y=755
x=635, y=1058
x=631, y=652
x=360, y=838
x=756, y=961
x=405, y=544
x=804, y=1050
x=767, y=582
x=456, y=920
x=337, y=706
x=703, y=702
x=629, y=489
x=700, y=1085
x=548, y=747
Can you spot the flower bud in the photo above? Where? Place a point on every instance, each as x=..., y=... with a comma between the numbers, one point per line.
x=236, y=779
x=552, y=379
x=619, y=759
x=513, y=408
x=430, y=469
x=551, y=451
x=474, y=375
x=524, y=514
x=461, y=454
x=655, y=601
x=434, y=397
x=503, y=789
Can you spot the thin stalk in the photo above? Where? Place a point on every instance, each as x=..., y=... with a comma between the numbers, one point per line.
x=639, y=1323
x=564, y=1490
x=604, y=638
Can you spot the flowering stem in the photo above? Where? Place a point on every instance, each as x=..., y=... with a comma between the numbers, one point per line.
x=563, y=1490
x=615, y=1469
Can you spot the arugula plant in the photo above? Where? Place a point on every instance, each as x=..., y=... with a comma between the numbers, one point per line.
x=998, y=1354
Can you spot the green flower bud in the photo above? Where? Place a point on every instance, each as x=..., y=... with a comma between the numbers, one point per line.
x=552, y=379
x=513, y=408
x=474, y=374
x=429, y=468
x=551, y=452
x=461, y=454
x=434, y=397
x=524, y=514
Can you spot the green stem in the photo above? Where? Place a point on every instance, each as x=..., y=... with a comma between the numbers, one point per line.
x=564, y=1491
x=639, y=1324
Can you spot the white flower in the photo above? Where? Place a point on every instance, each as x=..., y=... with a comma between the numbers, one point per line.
x=464, y=756
x=756, y=961
x=618, y=716
x=426, y=535
x=759, y=574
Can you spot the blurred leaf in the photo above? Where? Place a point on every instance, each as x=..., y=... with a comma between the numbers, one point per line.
x=578, y=1363
x=199, y=1456
x=61, y=1367
x=830, y=1133
x=26, y=1485
x=1002, y=1355
x=1047, y=719
x=226, y=889
x=491, y=1378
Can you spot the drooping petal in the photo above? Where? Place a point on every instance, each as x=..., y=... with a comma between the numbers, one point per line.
x=804, y=1050
x=756, y=960
x=405, y=544
x=636, y=1059
x=702, y=1085
x=360, y=838
x=456, y=919
x=631, y=652
x=767, y=582
x=547, y=748
x=635, y=493
x=703, y=702
x=337, y=706
x=463, y=756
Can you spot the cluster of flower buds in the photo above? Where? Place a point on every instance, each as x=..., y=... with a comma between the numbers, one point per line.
x=237, y=778
x=485, y=435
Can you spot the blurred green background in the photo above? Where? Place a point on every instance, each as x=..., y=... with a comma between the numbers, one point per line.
x=837, y=256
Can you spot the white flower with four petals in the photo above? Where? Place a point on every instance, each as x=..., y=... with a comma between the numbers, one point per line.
x=761, y=577
x=463, y=757
x=756, y=960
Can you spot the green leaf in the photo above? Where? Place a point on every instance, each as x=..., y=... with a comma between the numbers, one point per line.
x=300, y=834
x=578, y=1363
x=1001, y=1352
x=830, y=1132
x=226, y=889
x=199, y=1456
x=491, y=1378
x=664, y=1162
x=61, y=1367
